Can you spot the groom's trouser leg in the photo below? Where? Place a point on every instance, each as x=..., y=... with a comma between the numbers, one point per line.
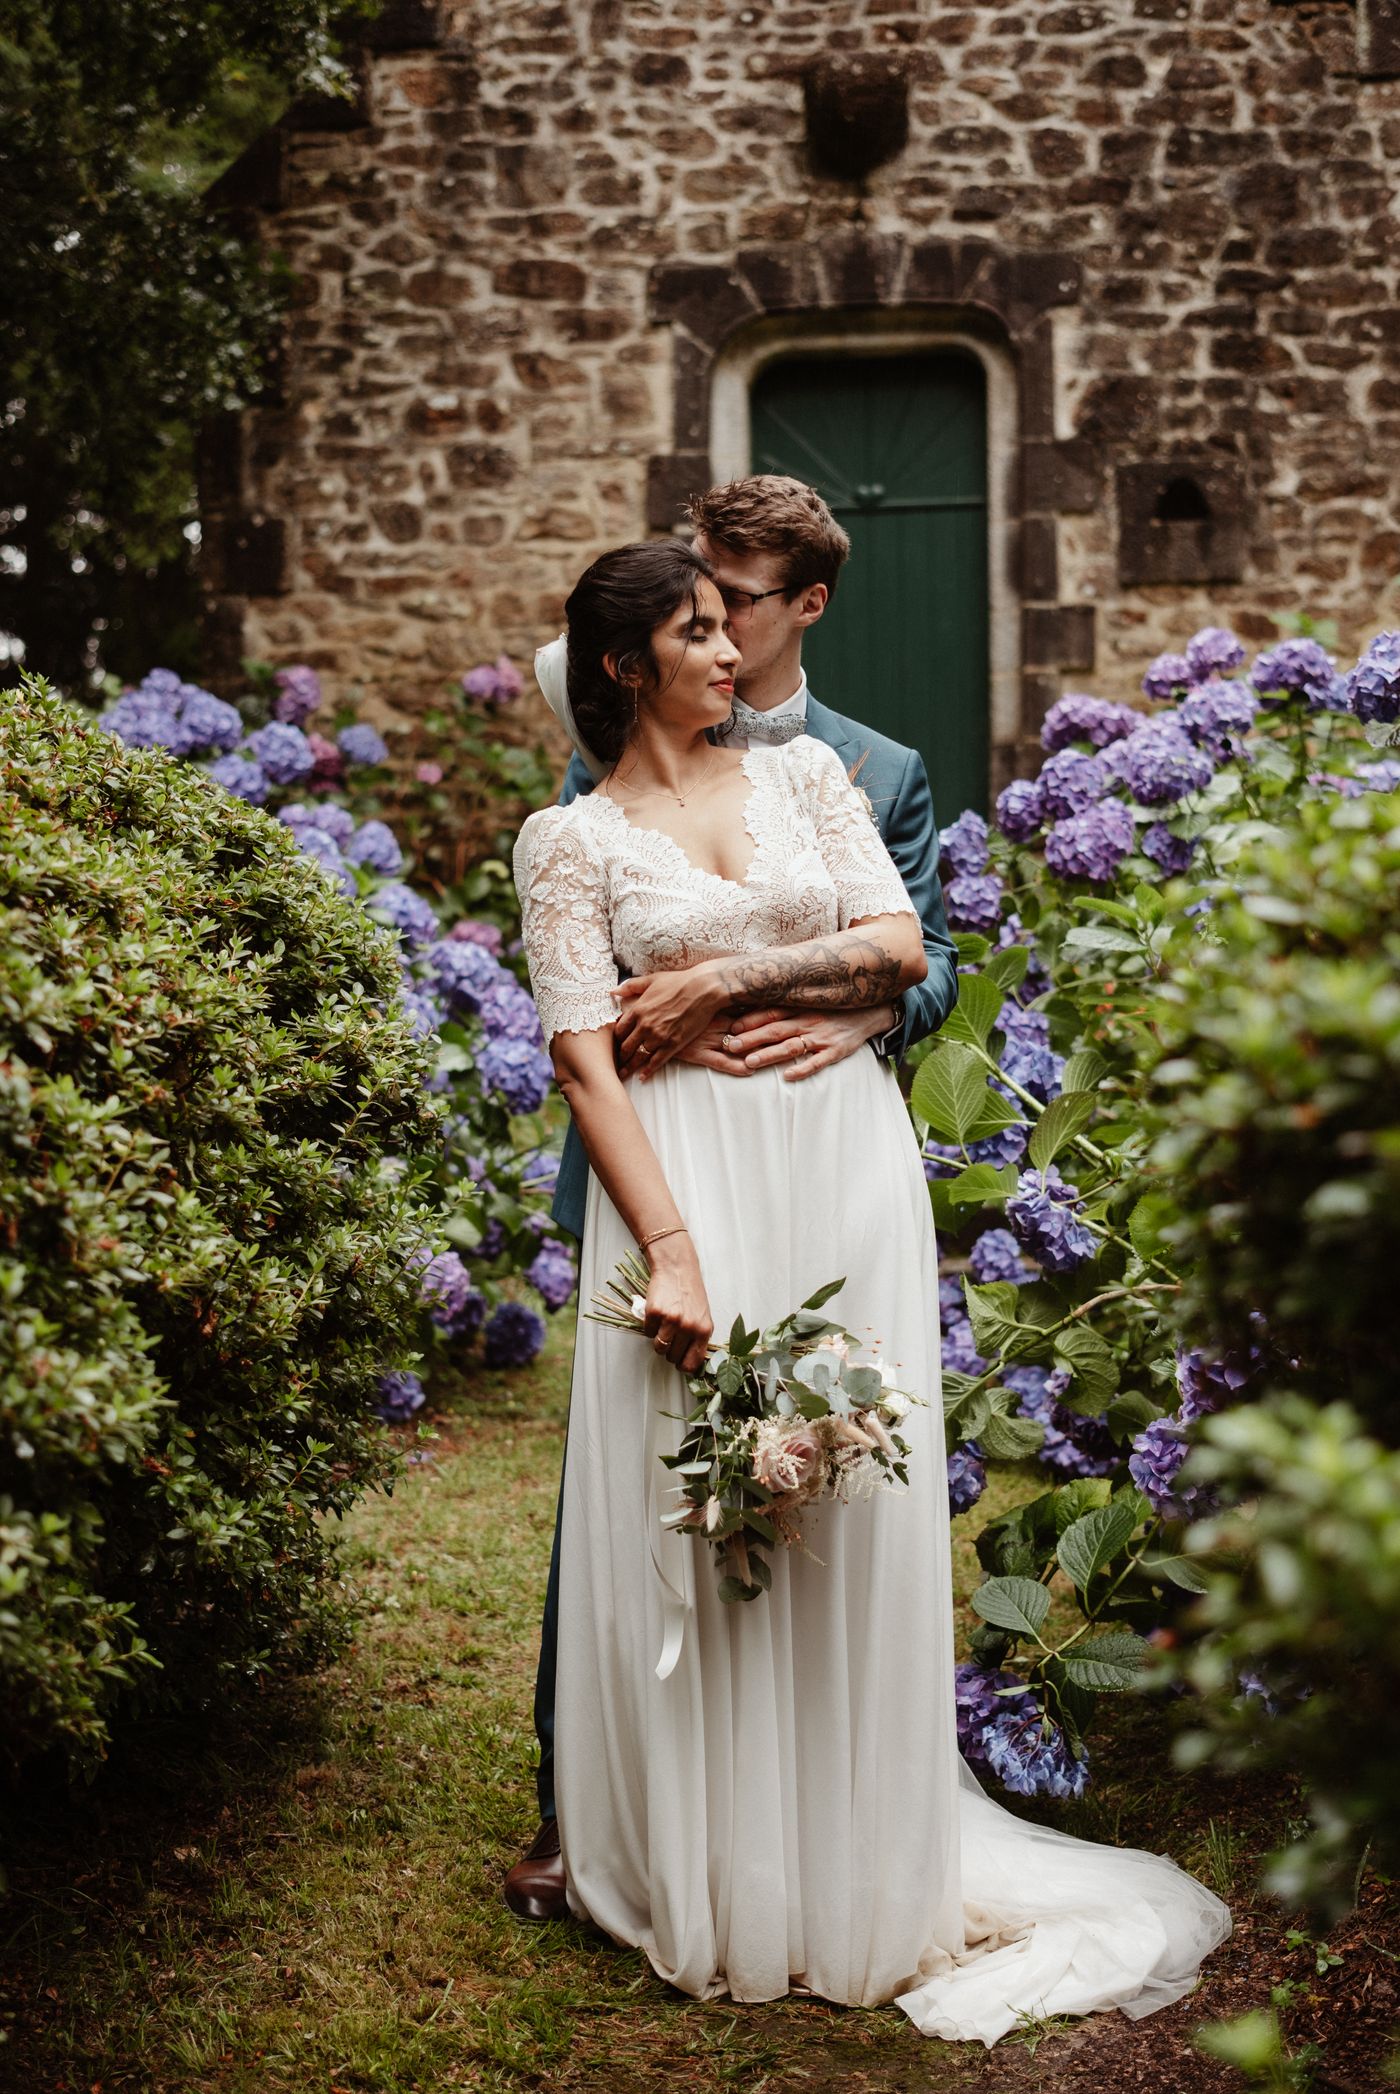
x=544, y=1678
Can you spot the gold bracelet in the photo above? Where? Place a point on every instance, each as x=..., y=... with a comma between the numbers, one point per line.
x=676, y=1229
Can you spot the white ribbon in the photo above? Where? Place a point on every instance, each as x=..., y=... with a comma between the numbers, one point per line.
x=552, y=676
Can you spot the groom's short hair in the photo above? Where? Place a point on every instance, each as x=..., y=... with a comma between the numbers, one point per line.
x=774, y=513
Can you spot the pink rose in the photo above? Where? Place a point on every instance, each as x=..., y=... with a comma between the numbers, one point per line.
x=429, y=774
x=792, y=1463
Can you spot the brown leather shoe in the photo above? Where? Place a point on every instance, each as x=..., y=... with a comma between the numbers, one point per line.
x=534, y=1888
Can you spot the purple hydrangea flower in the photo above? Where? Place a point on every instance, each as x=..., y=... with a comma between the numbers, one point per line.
x=541, y=1171
x=1042, y=1212
x=553, y=1273
x=979, y=1697
x=1019, y=810
x=400, y=1394
x=508, y=1013
x=967, y=1477
x=425, y=1014
x=447, y=1293
x=1078, y=717
x=242, y=777
x=1077, y=1446
x=1213, y=651
x=1381, y=777
x=298, y=694
x=143, y=719
x=1032, y=1757
x=1159, y=764
x=1071, y=781
x=326, y=852
x=960, y=1354
x=520, y=1072
x=470, y=930
x=1295, y=668
x=284, y=752
x=996, y=1255
x=464, y=974
x=362, y=744
x=1037, y=1388
x=207, y=722
x=375, y=846
x=1206, y=1384
x=329, y=763
x=1153, y=1463
x=1009, y=1146
x=1026, y=1056
x=412, y=915
x=1166, y=675
x=1091, y=845
x=1172, y=853
x=973, y=901
x=514, y=1335
x=1373, y=687
x=952, y=1302
x=963, y=845
x=1035, y=981
x=1216, y=717
x=494, y=683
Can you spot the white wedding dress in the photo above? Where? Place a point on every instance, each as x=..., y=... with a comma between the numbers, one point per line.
x=787, y=1807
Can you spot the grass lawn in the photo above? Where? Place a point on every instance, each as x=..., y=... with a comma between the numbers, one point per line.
x=308, y=1899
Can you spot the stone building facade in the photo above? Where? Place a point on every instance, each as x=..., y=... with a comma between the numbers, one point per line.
x=540, y=258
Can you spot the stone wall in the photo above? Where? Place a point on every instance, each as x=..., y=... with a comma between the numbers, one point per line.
x=519, y=254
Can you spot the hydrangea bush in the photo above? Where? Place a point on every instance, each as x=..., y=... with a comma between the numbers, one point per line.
x=204, y=1262
x=460, y=973
x=1068, y=1338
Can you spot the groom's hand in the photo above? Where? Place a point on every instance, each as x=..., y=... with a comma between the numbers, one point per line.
x=807, y=1040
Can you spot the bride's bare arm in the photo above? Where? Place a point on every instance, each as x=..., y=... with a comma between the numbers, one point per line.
x=871, y=963
x=678, y=1311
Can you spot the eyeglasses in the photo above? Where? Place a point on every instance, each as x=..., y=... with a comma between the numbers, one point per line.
x=742, y=601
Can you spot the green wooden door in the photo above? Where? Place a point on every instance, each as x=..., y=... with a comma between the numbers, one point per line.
x=897, y=446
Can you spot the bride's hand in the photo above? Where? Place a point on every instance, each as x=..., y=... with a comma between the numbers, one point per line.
x=678, y=1318
x=660, y=1015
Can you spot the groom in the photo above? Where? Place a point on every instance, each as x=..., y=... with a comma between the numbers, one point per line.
x=776, y=551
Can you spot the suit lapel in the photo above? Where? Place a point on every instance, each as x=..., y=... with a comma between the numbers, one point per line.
x=834, y=729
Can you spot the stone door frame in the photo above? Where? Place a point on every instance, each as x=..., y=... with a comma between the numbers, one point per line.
x=897, y=331
x=863, y=288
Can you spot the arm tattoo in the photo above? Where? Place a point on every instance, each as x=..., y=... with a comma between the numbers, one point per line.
x=840, y=973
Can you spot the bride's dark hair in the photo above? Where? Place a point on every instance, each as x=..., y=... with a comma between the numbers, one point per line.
x=615, y=608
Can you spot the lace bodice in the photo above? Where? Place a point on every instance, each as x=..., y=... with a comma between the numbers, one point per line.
x=600, y=895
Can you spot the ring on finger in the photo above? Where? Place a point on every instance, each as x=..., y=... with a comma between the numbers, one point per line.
x=730, y=1043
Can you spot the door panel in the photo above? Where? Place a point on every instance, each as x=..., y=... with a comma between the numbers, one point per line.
x=896, y=445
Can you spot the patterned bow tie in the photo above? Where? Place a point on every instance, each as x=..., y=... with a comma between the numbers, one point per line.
x=760, y=727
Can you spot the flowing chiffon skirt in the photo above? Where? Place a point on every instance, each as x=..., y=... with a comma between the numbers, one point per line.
x=788, y=1806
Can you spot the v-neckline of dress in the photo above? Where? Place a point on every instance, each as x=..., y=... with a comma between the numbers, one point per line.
x=678, y=850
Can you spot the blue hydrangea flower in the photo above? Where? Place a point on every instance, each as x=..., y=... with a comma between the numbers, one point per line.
x=967, y=1477
x=1295, y=668
x=242, y=777
x=520, y=1072
x=1217, y=716
x=324, y=849
x=973, y=901
x=514, y=1335
x=298, y=694
x=1383, y=777
x=453, y=1303
x=425, y=1014
x=463, y=974
x=508, y=1013
x=206, y=722
x=1373, y=687
x=338, y=822
x=1070, y=781
x=1091, y=845
x=1035, y=981
x=1153, y=1463
x=996, y=1255
x=1042, y=1212
x=375, y=846
x=1166, y=675
x=1172, y=853
x=1078, y=717
x=1032, y=1757
x=979, y=1697
x=412, y=915
x=1159, y=765
x=142, y=719
x=1213, y=651
x=1019, y=810
x=284, y=752
x=963, y=845
x=952, y=1302
x=541, y=1171
x=960, y=1354
x=553, y=1273
x=400, y=1394
x=1026, y=1056
x=1009, y=1146
x=362, y=744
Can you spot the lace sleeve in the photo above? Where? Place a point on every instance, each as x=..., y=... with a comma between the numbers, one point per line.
x=854, y=854
x=564, y=914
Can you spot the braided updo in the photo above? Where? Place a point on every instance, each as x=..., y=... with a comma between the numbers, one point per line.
x=615, y=608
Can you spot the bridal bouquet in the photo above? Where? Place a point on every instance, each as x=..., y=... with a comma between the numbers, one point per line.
x=780, y=1417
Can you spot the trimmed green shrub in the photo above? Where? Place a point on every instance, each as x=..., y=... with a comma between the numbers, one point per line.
x=205, y=1259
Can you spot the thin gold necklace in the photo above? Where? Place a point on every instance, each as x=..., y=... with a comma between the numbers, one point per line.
x=646, y=791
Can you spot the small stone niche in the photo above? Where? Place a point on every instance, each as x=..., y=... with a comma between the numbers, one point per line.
x=1179, y=520
x=857, y=109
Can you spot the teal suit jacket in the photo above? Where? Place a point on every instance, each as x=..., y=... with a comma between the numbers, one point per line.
x=897, y=784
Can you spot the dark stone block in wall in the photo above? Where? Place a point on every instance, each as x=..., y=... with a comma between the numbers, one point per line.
x=219, y=461
x=1180, y=520
x=860, y=268
x=782, y=279
x=1037, y=566
x=857, y=110
x=672, y=478
x=538, y=277
x=933, y=274
x=246, y=555
x=1061, y=477
x=403, y=25
x=1057, y=636
x=704, y=297
x=1378, y=39
x=1038, y=693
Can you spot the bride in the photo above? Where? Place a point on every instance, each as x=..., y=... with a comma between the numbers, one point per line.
x=769, y=1797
